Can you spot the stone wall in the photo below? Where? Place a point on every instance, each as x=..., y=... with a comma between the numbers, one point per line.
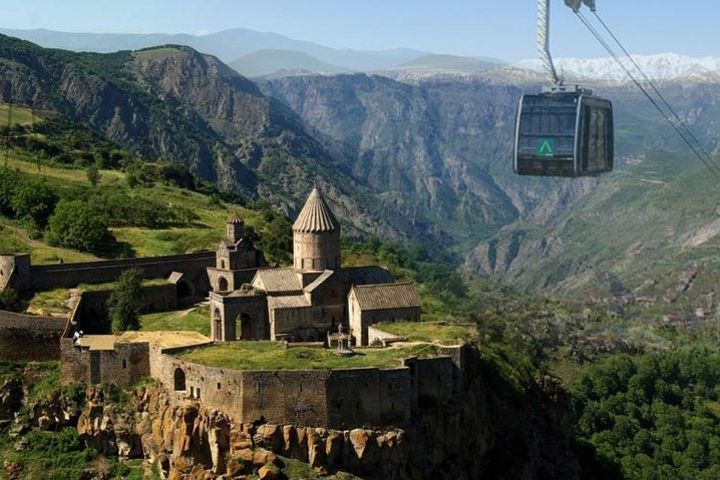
x=302, y=324
x=30, y=337
x=238, y=317
x=124, y=365
x=92, y=312
x=335, y=399
x=48, y=277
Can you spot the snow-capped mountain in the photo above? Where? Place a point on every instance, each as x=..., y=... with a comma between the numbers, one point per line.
x=663, y=66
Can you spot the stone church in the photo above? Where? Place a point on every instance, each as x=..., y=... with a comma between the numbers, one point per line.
x=307, y=301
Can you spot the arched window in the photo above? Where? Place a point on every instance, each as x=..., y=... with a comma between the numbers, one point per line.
x=222, y=264
x=223, y=284
x=179, y=380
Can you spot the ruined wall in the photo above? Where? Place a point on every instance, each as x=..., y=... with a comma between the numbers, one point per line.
x=30, y=337
x=48, y=277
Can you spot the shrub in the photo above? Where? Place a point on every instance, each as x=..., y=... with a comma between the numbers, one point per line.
x=76, y=224
x=9, y=300
x=34, y=201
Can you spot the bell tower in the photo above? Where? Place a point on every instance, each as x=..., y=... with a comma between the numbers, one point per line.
x=235, y=228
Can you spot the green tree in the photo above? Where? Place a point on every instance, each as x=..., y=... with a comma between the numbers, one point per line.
x=93, y=174
x=34, y=201
x=76, y=224
x=123, y=303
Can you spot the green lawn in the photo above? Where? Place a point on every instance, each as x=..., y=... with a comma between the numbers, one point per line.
x=275, y=356
x=442, y=333
x=20, y=116
x=196, y=319
x=49, y=302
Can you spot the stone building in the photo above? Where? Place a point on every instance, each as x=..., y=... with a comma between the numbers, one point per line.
x=236, y=259
x=371, y=304
x=299, y=303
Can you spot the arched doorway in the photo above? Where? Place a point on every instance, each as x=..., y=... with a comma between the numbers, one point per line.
x=217, y=325
x=244, y=328
x=184, y=289
x=179, y=380
x=223, y=284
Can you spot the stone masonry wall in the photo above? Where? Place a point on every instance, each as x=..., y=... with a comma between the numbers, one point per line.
x=30, y=337
x=92, y=312
x=124, y=365
x=47, y=277
x=335, y=399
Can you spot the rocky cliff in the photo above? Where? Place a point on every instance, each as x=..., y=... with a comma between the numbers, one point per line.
x=173, y=103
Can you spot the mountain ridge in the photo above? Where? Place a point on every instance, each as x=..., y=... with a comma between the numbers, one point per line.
x=664, y=66
x=227, y=45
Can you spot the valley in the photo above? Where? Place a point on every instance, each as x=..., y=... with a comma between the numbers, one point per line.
x=590, y=306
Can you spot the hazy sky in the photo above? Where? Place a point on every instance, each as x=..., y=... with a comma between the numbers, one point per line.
x=495, y=28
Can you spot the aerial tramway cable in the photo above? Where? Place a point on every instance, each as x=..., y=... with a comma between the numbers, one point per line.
x=708, y=162
x=654, y=87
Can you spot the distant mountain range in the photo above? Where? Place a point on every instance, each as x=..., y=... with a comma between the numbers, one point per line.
x=228, y=46
x=265, y=63
x=664, y=66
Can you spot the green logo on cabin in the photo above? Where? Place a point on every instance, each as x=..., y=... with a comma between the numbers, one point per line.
x=545, y=147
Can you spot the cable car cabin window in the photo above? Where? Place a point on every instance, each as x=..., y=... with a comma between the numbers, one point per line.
x=596, y=142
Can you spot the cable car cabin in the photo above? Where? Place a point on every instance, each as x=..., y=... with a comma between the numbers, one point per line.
x=562, y=133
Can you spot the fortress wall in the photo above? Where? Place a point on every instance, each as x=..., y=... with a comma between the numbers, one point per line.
x=218, y=388
x=396, y=392
x=48, y=277
x=92, y=312
x=75, y=362
x=285, y=396
x=124, y=365
x=30, y=337
x=354, y=397
x=433, y=378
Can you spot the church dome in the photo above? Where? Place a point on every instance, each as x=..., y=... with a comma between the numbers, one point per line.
x=316, y=216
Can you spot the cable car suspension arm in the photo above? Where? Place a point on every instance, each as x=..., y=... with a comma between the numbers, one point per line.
x=543, y=41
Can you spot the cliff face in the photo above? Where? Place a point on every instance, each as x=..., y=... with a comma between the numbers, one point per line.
x=487, y=432
x=173, y=103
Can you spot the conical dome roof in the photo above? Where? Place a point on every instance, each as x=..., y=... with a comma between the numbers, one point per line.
x=316, y=216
